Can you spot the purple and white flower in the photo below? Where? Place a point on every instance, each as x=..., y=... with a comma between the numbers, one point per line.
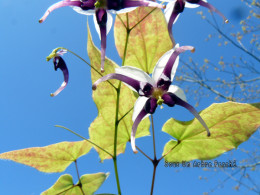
x=154, y=90
x=59, y=63
x=175, y=7
x=101, y=9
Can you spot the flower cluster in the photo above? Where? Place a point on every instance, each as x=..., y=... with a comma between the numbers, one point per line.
x=153, y=91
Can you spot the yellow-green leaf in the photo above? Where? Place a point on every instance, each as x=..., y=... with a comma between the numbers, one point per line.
x=147, y=41
x=89, y=184
x=230, y=124
x=102, y=130
x=52, y=158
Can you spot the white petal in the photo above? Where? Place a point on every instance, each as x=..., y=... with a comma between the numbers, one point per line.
x=168, y=0
x=139, y=104
x=109, y=22
x=192, y=5
x=177, y=91
x=135, y=73
x=160, y=65
x=168, y=10
x=84, y=12
x=125, y=10
x=108, y=26
x=96, y=26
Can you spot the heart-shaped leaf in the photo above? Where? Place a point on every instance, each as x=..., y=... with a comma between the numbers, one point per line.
x=88, y=184
x=102, y=130
x=148, y=40
x=230, y=124
x=52, y=158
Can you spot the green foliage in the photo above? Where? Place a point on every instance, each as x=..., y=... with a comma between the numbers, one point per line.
x=148, y=40
x=87, y=185
x=102, y=129
x=52, y=158
x=230, y=124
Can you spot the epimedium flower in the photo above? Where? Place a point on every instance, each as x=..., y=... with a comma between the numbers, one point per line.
x=59, y=63
x=175, y=7
x=101, y=10
x=155, y=90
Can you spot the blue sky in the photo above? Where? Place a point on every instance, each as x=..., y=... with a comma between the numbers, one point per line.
x=28, y=113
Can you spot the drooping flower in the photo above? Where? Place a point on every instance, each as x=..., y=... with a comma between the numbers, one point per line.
x=154, y=90
x=59, y=63
x=175, y=7
x=102, y=19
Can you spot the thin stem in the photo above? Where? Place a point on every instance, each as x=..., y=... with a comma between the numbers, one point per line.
x=76, y=165
x=144, y=154
x=125, y=114
x=169, y=151
x=233, y=42
x=142, y=19
x=85, y=139
x=154, y=171
x=154, y=161
x=79, y=182
x=154, y=148
x=115, y=139
x=117, y=120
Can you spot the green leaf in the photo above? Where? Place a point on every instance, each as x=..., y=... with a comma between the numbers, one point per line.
x=52, y=158
x=147, y=41
x=230, y=124
x=89, y=182
x=102, y=130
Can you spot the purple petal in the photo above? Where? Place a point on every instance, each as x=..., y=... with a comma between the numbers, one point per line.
x=170, y=23
x=150, y=105
x=212, y=8
x=89, y=4
x=103, y=35
x=101, y=16
x=168, y=99
x=166, y=74
x=59, y=63
x=145, y=89
x=180, y=102
x=139, y=118
x=133, y=3
x=59, y=5
x=177, y=9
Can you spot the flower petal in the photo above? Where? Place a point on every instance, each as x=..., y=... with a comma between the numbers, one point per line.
x=59, y=5
x=168, y=1
x=191, y=5
x=109, y=22
x=160, y=65
x=178, y=92
x=84, y=12
x=139, y=118
x=213, y=9
x=60, y=63
x=135, y=73
x=171, y=66
x=132, y=83
x=184, y=104
x=139, y=105
x=168, y=10
x=138, y=115
x=108, y=25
